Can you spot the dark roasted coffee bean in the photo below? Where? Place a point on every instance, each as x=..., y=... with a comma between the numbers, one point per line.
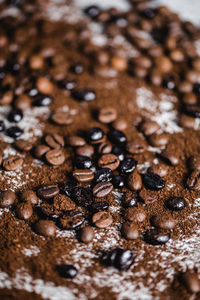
x=83, y=162
x=149, y=127
x=176, y=204
x=104, y=148
x=108, y=161
x=24, y=211
x=45, y=212
x=194, y=162
x=102, y=219
x=102, y=189
x=135, y=181
x=83, y=196
x=29, y=196
x=64, y=203
x=77, y=68
x=117, y=137
x=68, y=189
x=72, y=220
x=169, y=82
x=85, y=175
x=130, y=230
x=12, y=163
x=86, y=150
x=119, y=258
x=103, y=175
x=40, y=150
x=193, y=110
x=42, y=100
x=2, y=126
x=135, y=214
x=190, y=281
x=130, y=200
x=23, y=145
x=67, y=84
x=76, y=141
x=107, y=115
x=67, y=271
x=84, y=95
x=170, y=158
x=163, y=221
x=48, y=191
x=119, y=181
x=92, y=11
x=45, y=228
x=153, y=181
x=62, y=118
x=95, y=135
x=15, y=115
x=118, y=152
x=87, y=234
x=14, y=132
x=98, y=206
x=127, y=166
x=54, y=140
x=55, y=157
x=7, y=199
x=156, y=237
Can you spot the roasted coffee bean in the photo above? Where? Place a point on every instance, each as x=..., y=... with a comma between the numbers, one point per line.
x=127, y=166
x=45, y=228
x=86, y=150
x=99, y=205
x=15, y=115
x=42, y=100
x=163, y=221
x=196, y=88
x=153, y=181
x=130, y=200
x=47, y=213
x=194, y=162
x=77, y=68
x=155, y=77
x=7, y=199
x=156, y=237
x=92, y=11
x=149, y=127
x=48, y=191
x=136, y=147
x=135, y=214
x=12, y=163
x=14, y=132
x=2, y=126
x=84, y=95
x=164, y=64
x=29, y=196
x=23, y=145
x=158, y=140
x=190, y=98
x=62, y=202
x=87, y=234
x=135, y=181
x=54, y=140
x=192, y=110
x=190, y=281
x=72, y=220
x=67, y=271
x=102, y=219
x=40, y=150
x=117, y=137
x=103, y=175
x=187, y=122
x=95, y=135
x=119, y=258
x=170, y=158
x=119, y=181
x=118, y=62
x=104, y=148
x=68, y=189
x=108, y=161
x=130, y=230
x=24, y=211
x=44, y=86
x=102, y=189
x=36, y=62
x=186, y=87
x=83, y=196
x=107, y=115
x=176, y=204
x=85, y=175
x=75, y=141
x=118, y=152
x=120, y=124
x=55, y=157
x=62, y=118
x=67, y=84
x=169, y=82
x=159, y=169
x=83, y=162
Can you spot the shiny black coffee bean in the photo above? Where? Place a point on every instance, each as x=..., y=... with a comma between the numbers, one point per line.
x=130, y=200
x=119, y=258
x=83, y=162
x=95, y=134
x=15, y=115
x=192, y=110
x=71, y=220
x=99, y=206
x=68, y=188
x=156, y=237
x=117, y=137
x=2, y=126
x=118, y=181
x=169, y=82
x=67, y=271
x=42, y=100
x=153, y=181
x=83, y=196
x=33, y=92
x=127, y=166
x=67, y=84
x=118, y=152
x=176, y=204
x=92, y=11
x=103, y=175
x=77, y=68
x=14, y=132
x=84, y=95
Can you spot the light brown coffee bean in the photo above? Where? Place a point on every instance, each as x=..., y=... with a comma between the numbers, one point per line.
x=136, y=147
x=185, y=86
x=130, y=230
x=46, y=228
x=107, y=115
x=155, y=77
x=135, y=214
x=85, y=175
x=62, y=202
x=159, y=169
x=191, y=281
x=149, y=127
x=62, y=118
x=192, y=76
x=194, y=162
x=187, y=122
x=196, y=64
x=22, y=102
x=48, y=191
x=102, y=189
x=189, y=98
x=120, y=124
x=36, y=62
x=23, y=145
x=143, y=62
x=158, y=140
x=12, y=163
x=135, y=181
x=75, y=141
x=7, y=199
x=164, y=64
x=110, y=161
x=104, y=148
x=119, y=63
x=24, y=211
x=177, y=55
x=55, y=157
x=102, y=219
x=87, y=234
x=6, y=98
x=170, y=158
x=163, y=221
x=44, y=85
x=86, y=150
x=54, y=140
x=40, y=150
x=29, y=196
x=193, y=181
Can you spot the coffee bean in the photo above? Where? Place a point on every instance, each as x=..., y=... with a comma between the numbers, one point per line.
x=119, y=63
x=87, y=234
x=102, y=219
x=104, y=148
x=127, y=166
x=54, y=140
x=158, y=140
x=36, y=62
x=117, y=137
x=62, y=202
x=163, y=221
x=192, y=110
x=77, y=68
x=2, y=126
x=102, y=189
x=95, y=135
x=186, y=87
x=7, y=199
x=12, y=163
x=48, y=191
x=153, y=181
x=68, y=188
x=135, y=214
x=135, y=147
x=83, y=196
x=24, y=211
x=148, y=196
x=130, y=200
x=45, y=228
x=55, y=157
x=130, y=231
x=156, y=237
x=189, y=98
x=84, y=95
x=119, y=181
x=67, y=84
x=170, y=158
x=135, y=181
x=118, y=152
x=155, y=77
x=176, y=204
x=193, y=180
x=85, y=175
x=108, y=161
x=67, y=271
x=14, y=132
x=92, y=11
x=15, y=115
x=83, y=162
x=107, y=115
x=196, y=88
x=75, y=141
x=190, y=281
x=22, y=102
x=40, y=150
x=149, y=127
x=120, y=124
x=44, y=86
x=62, y=118
x=23, y=145
x=164, y=64
x=119, y=258
x=103, y=175
x=29, y=196
x=72, y=220
x=187, y=122
x=99, y=205
x=86, y=150
x=42, y=100
x=159, y=169
x=194, y=162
